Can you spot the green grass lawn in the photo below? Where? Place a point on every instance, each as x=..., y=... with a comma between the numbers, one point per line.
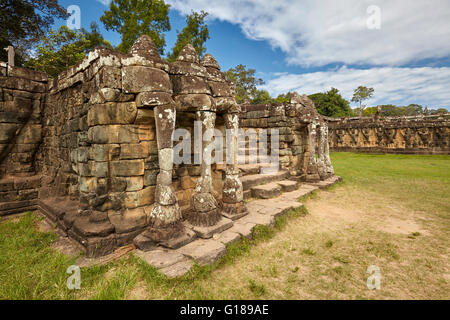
x=391, y=210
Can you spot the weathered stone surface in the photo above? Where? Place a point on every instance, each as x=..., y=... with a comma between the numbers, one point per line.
x=129, y=220
x=139, y=198
x=137, y=79
x=177, y=270
x=209, y=61
x=204, y=202
x=150, y=177
x=227, y=237
x=165, y=117
x=165, y=195
x=244, y=229
x=168, y=214
x=126, y=168
x=112, y=113
x=161, y=258
x=221, y=89
x=203, y=251
x=266, y=191
x=144, y=47
x=188, y=54
x=258, y=219
x=208, y=232
x=144, y=243
x=114, y=134
x=89, y=229
x=135, y=150
x=153, y=99
x=145, y=116
x=194, y=102
x=187, y=236
x=189, y=84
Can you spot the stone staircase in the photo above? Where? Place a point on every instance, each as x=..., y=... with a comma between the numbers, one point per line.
x=261, y=185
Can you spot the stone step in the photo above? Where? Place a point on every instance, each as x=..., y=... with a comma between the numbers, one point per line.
x=288, y=185
x=252, y=159
x=266, y=191
x=247, y=169
x=253, y=180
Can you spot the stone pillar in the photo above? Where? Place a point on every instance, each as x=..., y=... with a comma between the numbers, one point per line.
x=11, y=54
x=232, y=193
x=165, y=210
x=206, y=209
x=222, y=91
x=154, y=101
x=326, y=169
x=312, y=172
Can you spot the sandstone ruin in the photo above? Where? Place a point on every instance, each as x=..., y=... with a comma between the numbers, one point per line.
x=92, y=149
x=404, y=135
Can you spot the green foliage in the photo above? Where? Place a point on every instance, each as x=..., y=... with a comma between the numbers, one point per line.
x=95, y=38
x=29, y=268
x=195, y=32
x=245, y=83
x=134, y=18
x=390, y=110
x=24, y=22
x=331, y=104
x=257, y=289
x=64, y=48
x=329, y=244
x=439, y=111
x=283, y=98
x=361, y=94
x=261, y=97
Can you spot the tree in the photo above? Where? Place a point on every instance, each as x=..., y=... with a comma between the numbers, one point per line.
x=64, y=48
x=413, y=110
x=331, y=104
x=134, y=18
x=361, y=94
x=95, y=38
x=283, y=98
x=439, y=111
x=245, y=83
x=261, y=97
x=24, y=22
x=195, y=32
x=390, y=110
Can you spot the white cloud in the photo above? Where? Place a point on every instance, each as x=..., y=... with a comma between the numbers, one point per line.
x=105, y=2
x=316, y=33
x=400, y=86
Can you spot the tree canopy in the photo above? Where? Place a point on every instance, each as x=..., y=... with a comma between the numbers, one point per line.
x=25, y=22
x=195, y=32
x=331, y=104
x=134, y=18
x=361, y=94
x=63, y=48
x=390, y=110
x=245, y=83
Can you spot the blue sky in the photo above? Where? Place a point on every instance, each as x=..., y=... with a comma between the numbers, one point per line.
x=310, y=46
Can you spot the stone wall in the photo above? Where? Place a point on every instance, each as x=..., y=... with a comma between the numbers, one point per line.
x=22, y=98
x=410, y=135
x=303, y=136
x=92, y=149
